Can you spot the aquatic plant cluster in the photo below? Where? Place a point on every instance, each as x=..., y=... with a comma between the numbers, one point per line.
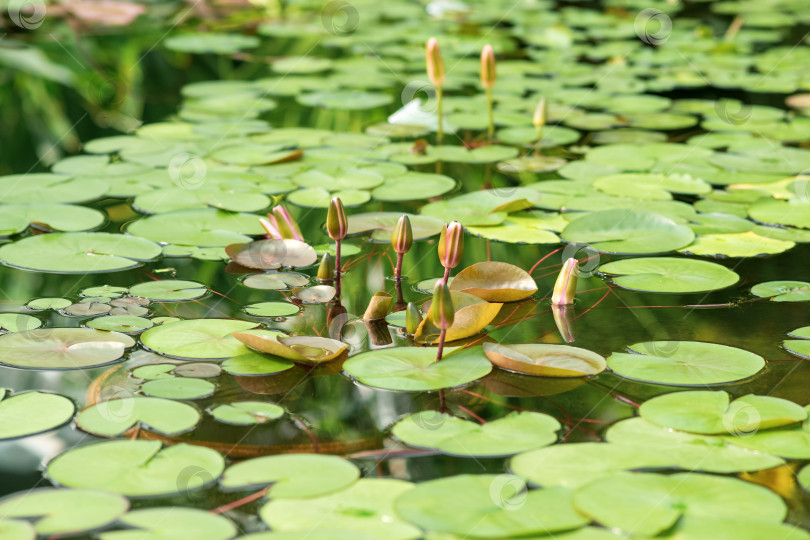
x=437, y=271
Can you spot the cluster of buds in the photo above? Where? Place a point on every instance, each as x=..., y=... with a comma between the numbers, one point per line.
x=281, y=225
x=401, y=241
x=451, y=247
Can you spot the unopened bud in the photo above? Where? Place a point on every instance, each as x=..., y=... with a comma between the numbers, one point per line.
x=286, y=224
x=412, y=318
x=435, y=65
x=540, y=112
x=402, y=236
x=451, y=244
x=336, y=224
x=326, y=270
x=442, y=313
x=488, y=67
x=566, y=286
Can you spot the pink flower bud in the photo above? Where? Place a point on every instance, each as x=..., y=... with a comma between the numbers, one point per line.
x=442, y=312
x=402, y=235
x=435, y=65
x=488, y=67
x=286, y=224
x=451, y=245
x=270, y=226
x=336, y=224
x=566, y=286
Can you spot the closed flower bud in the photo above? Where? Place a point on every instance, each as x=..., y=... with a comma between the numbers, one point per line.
x=442, y=312
x=402, y=236
x=270, y=227
x=539, y=118
x=435, y=65
x=336, y=224
x=413, y=317
x=488, y=67
x=566, y=285
x=286, y=224
x=326, y=270
x=451, y=245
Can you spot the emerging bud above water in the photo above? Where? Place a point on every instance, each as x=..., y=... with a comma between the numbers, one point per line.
x=336, y=224
x=566, y=286
x=326, y=270
x=402, y=236
x=451, y=245
x=412, y=318
x=286, y=224
x=488, y=74
x=442, y=312
x=540, y=113
x=435, y=65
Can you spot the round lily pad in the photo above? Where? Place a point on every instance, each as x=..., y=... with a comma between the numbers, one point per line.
x=494, y=282
x=178, y=388
x=488, y=506
x=255, y=364
x=415, y=369
x=275, y=281
x=711, y=413
x=272, y=309
x=169, y=290
x=199, y=339
x=247, y=413
x=413, y=186
x=669, y=275
x=516, y=432
x=73, y=253
x=293, y=476
x=746, y=244
x=365, y=509
x=17, y=322
x=48, y=303
x=112, y=418
x=545, y=359
x=649, y=504
x=685, y=363
x=137, y=468
x=62, y=348
x=783, y=291
x=64, y=512
x=108, y=291
x=30, y=413
x=628, y=232
x=204, y=227
x=169, y=523
x=127, y=324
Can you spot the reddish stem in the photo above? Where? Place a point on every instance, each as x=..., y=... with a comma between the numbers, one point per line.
x=446, y=275
x=398, y=269
x=440, y=350
x=241, y=502
x=468, y=411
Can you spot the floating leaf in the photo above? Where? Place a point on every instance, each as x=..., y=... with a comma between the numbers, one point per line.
x=169, y=290
x=747, y=244
x=272, y=309
x=276, y=281
x=127, y=324
x=495, y=282
x=205, y=227
x=114, y=417
x=293, y=476
x=48, y=303
x=17, y=322
x=73, y=253
x=30, y=413
x=272, y=254
x=413, y=186
x=169, y=523
x=669, y=275
x=201, y=339
x=545, y=359
x=254, y=364
x=380, y=225
x=783, y=291
x=633, y=232
x=62, y=348
x=137, y=468
x=309, y=350
x=178, y=388
x=472, y=314
x=246, y=413
x=685, y=363
x=415, y=369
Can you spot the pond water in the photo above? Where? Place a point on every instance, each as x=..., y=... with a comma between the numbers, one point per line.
x=663, y=145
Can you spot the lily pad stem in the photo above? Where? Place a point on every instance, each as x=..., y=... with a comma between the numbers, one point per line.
x=440, y=128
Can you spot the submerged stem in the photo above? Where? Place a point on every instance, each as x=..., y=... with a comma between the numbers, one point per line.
x=440, y=128
x=491, y=115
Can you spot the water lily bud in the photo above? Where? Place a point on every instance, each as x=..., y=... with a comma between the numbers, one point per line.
x=539, y=118
x=402, y=236
x=435, y=66
x=413, y=317
x=488, y=67
x=326, y=270
x=442, y=311
x=451, y=245
x=566, y=285
x=286, y=224
x=336, y=224
x=270, y=226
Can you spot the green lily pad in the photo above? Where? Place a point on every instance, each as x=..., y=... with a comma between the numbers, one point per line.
x=380, y=225
x=50, y=217
x=651, y=186
x=413, y=186
x=712, y=413
x=137, y=468
x=169, y=290
x=254, y=364
x=318, y=197
x=205, y=227
x=30, y=413
x=685, y=363
x=275, y=281
x=15, y=529
x=365, y=508
x=39, y=304
x=74, y=253
x=293, y=476
x=62, y=348
x=169, y=523
x=170, y=199
x=783, y=291
x=628, y=232
x=353, y=100
x=127, y=324
x=669, y=275
x=649, y=504
x=698, y=528
x=273, y=253
x=178, y=388
x=114, y=417
x=153, y=371
x=272, y=309
x=17, y=322
x=488, y=506
x=519, y=229
x=210, y=43
x=107, y=291
x=794, y=212
x=516, y=432
x=200, y=339
x=415, y=369
x=63, y=512
x=247, y=413
x=747, y=244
